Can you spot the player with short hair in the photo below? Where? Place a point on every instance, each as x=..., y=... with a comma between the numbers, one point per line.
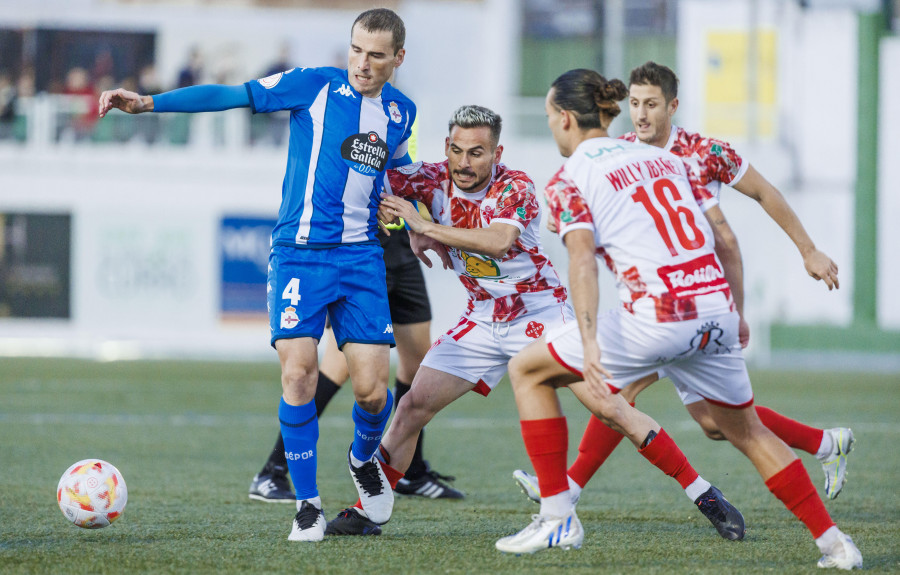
x=632, y=205
x=653, y=100
x=489, y=217
x=347, y=127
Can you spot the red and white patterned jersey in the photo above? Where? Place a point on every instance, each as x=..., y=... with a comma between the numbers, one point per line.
x=638, y=202
x=714, y=161
x=503, y=289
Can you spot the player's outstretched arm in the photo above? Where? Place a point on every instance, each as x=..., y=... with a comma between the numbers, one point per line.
x=729, y=253
x=206, y=98
x=818, y=265
x=125, y=100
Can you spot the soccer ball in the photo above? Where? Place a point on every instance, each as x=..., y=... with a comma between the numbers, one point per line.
x=92, y=493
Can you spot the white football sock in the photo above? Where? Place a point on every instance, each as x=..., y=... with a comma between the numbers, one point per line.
x=826, y=447
x=558, y=505
x=697, y=488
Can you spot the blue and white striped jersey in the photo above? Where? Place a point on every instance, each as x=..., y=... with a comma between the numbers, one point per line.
x=340, y=146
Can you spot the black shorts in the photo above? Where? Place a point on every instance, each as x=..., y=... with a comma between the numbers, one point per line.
x=407, y=296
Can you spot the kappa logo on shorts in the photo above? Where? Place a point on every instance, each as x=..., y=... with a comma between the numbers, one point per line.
x=389, y=328
x=289, y=319
x=534, y=329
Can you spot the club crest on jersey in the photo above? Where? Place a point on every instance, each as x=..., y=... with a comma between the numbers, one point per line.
x=409, y=169
x=480, y=267
x=534, y=329
x=289, y=319
x=270, y=82
x=365, y=153
x=394, y=111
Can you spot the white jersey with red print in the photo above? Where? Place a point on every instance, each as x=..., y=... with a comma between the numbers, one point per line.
x=641, y=204
x=502, y=289
x=714, y=161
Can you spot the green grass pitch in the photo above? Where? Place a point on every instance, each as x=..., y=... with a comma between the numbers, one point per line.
x=188, y=437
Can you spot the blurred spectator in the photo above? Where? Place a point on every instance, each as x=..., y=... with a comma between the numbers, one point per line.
x=275, y=127
x=192, y=72
x=7, y=106
x=148, y=125
x=81, y=114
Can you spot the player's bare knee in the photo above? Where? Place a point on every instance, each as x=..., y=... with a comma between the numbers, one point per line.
x=372, y=401
x=713, y=433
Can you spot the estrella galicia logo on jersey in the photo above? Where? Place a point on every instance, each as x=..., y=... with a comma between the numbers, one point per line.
x=270, y=82
x=344, y=90
x=366, y=153
x=394, y=111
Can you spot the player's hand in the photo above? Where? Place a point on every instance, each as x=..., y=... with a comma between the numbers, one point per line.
x=419, y=243
x=744, y=333
x=396, y=207
x=595, y=374
x=385, y=219
x=819, y=266
x=551, y=225
x=125, y=100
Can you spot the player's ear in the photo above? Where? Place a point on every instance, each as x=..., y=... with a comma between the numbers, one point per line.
x=447, y=146
x=399, y=56
x=673, y=106
x=498, y=151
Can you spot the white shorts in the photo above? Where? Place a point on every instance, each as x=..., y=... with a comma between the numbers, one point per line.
x=702, y=357
x=687, y=397
x=479, y=351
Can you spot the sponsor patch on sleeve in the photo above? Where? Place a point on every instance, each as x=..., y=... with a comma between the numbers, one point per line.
x=270, y=82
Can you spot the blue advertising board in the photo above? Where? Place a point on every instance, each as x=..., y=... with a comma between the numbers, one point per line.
x=245, y=243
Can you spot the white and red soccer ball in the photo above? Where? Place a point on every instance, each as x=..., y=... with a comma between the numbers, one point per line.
x=92, y=493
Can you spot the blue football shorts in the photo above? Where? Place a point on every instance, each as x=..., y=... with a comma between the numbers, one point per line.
x=347, y=282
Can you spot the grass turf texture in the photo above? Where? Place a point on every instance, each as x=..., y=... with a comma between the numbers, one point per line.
x=189, y=436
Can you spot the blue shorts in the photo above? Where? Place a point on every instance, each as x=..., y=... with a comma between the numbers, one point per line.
x=347, y=282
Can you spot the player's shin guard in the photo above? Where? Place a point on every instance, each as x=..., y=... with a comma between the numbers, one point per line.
x=664, y=454
x=369, y=428
x=792, y=432
x=597, y=444
x=794, y=488
x=547, y=442
x=300, y=432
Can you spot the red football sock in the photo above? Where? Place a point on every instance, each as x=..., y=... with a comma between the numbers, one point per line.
x=597, y=443
x=794, y=433
x=794, y=488
x=547, y=442
x=663, y=453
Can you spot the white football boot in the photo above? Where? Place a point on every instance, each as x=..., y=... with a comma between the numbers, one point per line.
x=308, y=523
x=840, y=554
x=374, y=490
x=545, y=532
x=835, y=463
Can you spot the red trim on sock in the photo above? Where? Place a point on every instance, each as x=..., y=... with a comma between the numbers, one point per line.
x=547, y=443
x=392, y=474
x=794, y=488
x=597, y=444
x=663, y=453
x=797, y=435
x=358, y=504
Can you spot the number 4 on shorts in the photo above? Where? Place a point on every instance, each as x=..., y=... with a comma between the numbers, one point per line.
x=292, y=291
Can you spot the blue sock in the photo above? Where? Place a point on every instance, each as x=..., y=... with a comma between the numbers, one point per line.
x=369, y=428
x=300, y=430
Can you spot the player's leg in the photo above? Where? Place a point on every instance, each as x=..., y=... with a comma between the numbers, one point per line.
x=300, y=430
x=630, y=352
x=830, y=446
x=296, y=321
x=534, y=375
x=271, y=483
x=788, y=480
x=413, y=342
